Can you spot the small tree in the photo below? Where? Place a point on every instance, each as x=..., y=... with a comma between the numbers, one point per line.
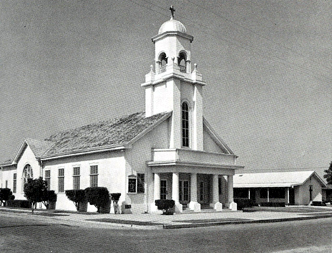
x=77, y=196
x=5, y=195
x=328, y=174
x=98, y=196
x=34, y=191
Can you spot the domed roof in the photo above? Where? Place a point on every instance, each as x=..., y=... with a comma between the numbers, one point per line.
x=172, y=25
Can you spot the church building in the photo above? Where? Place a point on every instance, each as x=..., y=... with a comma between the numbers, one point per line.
x=169, y=151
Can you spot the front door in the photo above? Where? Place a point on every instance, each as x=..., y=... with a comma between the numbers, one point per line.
x=184, y=191
x=163, y=189
x=203, y=193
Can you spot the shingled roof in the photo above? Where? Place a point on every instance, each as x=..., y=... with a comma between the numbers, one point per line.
x=103, y=135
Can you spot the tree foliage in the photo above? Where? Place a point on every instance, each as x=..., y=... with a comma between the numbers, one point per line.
x=98, y=196
x=77, y=196
x=35, y=190
x=5, y=195
x=328, y=174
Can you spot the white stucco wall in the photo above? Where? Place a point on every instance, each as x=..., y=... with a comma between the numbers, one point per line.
x=111, y=174
x=209, y=144
x=6, y=174
x=303, y=196
x=27, y=157
x=136, y=159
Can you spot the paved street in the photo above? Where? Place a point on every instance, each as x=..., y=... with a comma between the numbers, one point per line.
x=28, y=233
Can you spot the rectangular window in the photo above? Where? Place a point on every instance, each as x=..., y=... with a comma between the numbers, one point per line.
x=132, y=185
x=48, y=179
x=140, y=183
x=277, y=193
x=14, y=182
x=94, y=175
x=76, y=178
x=61, y=180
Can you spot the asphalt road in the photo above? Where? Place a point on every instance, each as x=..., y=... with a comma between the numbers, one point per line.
x=21, y=234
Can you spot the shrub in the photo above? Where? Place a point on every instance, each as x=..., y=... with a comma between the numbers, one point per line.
x=48, y=198
x=273, y=204
x=5, y=195
x=243, y=203
x=99, y=197
x=167, y=205
x=19, y=203
x=78, y=197
x=115, y=196
x=318, y=203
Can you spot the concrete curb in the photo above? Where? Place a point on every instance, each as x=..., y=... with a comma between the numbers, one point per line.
x=174, y=226
x=184, y=224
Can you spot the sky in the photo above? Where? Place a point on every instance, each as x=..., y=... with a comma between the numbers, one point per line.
x=267, y=64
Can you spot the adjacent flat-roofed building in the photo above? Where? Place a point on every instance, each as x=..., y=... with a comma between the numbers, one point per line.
x=296, y=187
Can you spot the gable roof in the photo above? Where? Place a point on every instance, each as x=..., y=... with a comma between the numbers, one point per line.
x=37, y=147
x=103, y=135
x=274, y=179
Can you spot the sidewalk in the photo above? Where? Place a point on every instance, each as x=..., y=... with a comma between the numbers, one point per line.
x=158, y=221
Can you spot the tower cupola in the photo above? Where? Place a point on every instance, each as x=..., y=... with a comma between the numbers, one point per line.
x=171, y=85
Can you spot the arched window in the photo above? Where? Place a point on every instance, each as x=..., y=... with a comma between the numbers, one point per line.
x=182, y=61
x=27, y=173
x=185, y=124
x=162, y=62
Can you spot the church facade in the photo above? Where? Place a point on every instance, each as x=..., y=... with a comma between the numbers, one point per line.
x=169, y=151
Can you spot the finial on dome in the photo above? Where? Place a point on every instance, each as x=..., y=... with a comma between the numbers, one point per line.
x=172, y=11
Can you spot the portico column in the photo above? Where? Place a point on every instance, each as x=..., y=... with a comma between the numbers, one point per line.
x=156, y=187
x=215, y=189
x=194, y=205
x=175, y=192
x=156, y=191
x=232, y=204
x=287, y=196
x=215, y=193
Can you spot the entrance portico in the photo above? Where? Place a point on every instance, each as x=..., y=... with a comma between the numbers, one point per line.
x=192, y=183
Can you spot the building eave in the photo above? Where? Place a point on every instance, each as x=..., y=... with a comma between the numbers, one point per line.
x=173, y=75
x=73, y=154
x=192, y=164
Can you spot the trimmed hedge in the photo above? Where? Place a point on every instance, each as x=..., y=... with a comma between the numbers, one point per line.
x=244, y=203
x=167, y=205
x=79, y=199
x=115, y=196
x=318, y=203
x=5, y=195
x=19, y=203
x=273, y=204
x=99, y=197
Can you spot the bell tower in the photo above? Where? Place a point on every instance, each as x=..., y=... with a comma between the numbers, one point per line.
x=171, y=85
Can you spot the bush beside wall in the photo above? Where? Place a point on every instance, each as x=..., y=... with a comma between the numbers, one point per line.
x=244, y=203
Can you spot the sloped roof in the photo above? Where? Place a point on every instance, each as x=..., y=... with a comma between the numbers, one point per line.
x=102, y=135
x=273, y=179
x=39, y=147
